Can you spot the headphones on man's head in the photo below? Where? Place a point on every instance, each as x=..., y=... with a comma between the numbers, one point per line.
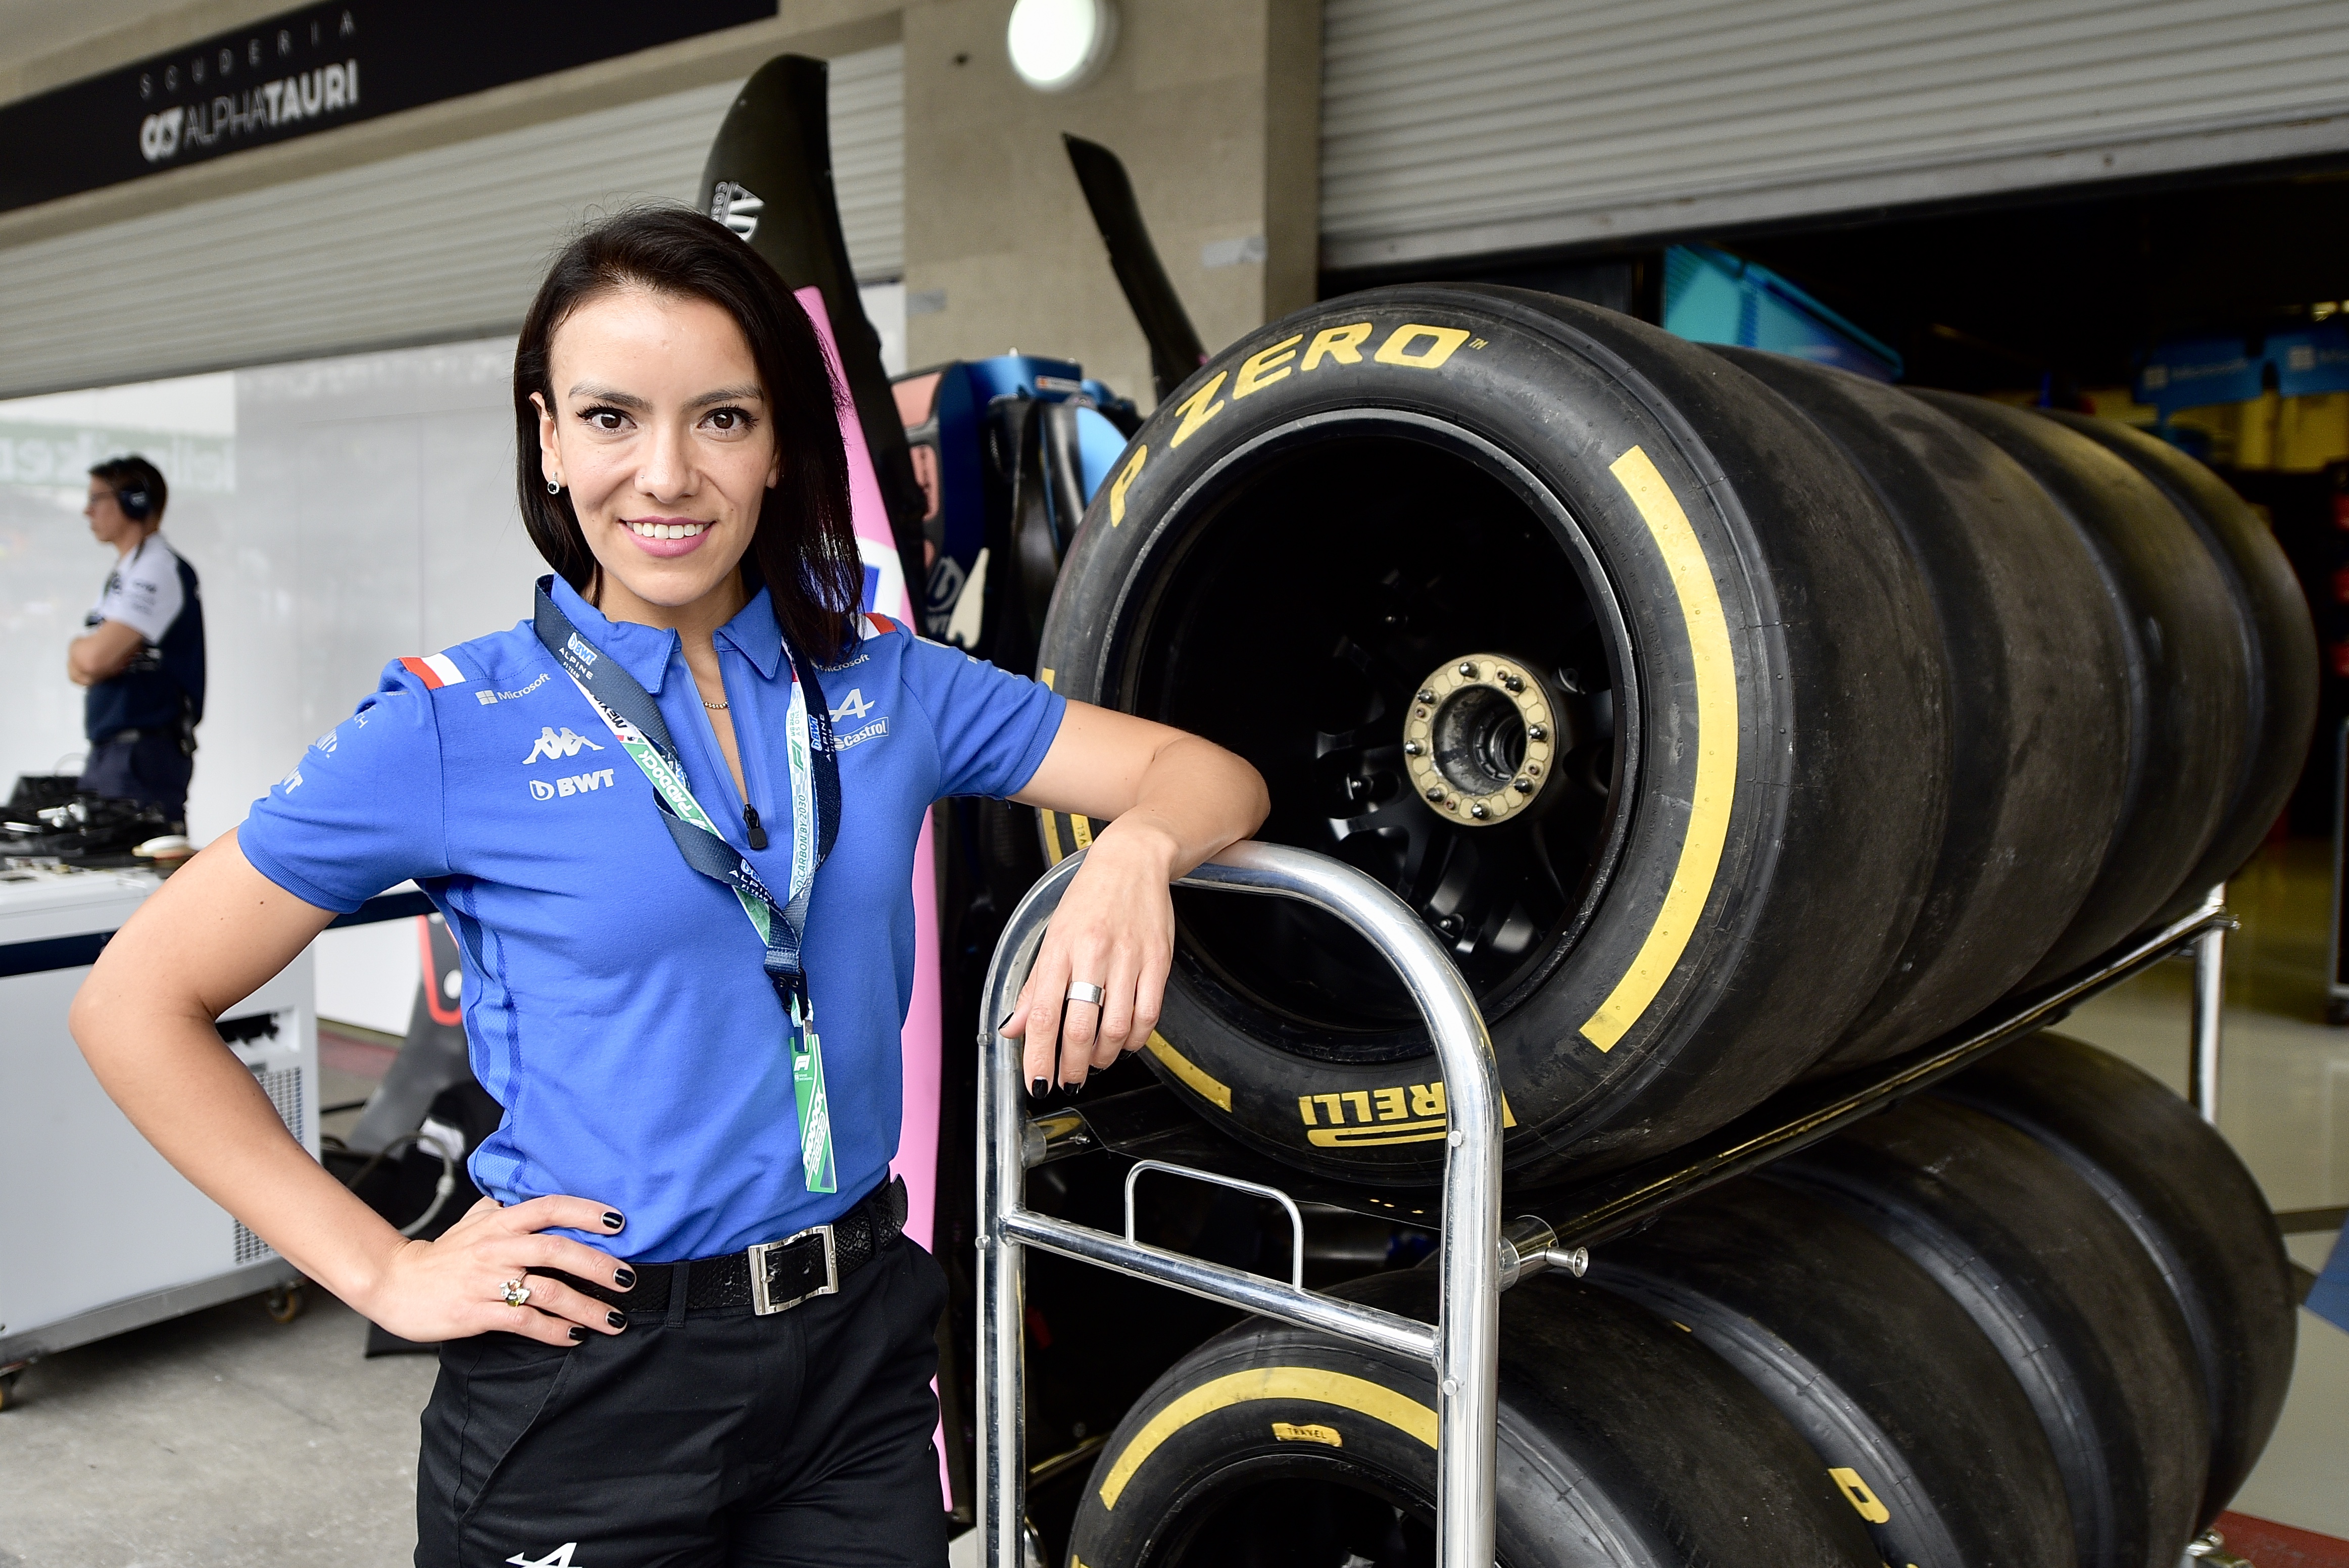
x=136, y=499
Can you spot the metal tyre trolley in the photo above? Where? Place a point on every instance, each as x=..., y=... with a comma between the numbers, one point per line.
x=1463, y=1346
x=1479, y=1258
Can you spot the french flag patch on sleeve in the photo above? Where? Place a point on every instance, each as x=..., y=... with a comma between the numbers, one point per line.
x=435, y=670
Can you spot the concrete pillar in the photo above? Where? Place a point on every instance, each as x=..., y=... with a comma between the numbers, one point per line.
x=1214, y=107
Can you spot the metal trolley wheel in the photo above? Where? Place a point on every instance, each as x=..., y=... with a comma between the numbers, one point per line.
x=286, y=1304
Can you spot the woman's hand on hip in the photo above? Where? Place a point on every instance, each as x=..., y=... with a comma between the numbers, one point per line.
x=1114, y=929
x=456, y=1286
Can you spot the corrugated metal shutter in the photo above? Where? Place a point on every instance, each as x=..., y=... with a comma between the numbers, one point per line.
x=1492, y=125
x=432, y=246
x=868, y=159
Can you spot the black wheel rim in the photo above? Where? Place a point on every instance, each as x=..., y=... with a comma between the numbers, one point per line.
x=1287, y=1511
x=1316, y=578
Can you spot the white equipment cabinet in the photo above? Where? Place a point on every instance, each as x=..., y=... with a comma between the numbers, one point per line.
x=98, y=1234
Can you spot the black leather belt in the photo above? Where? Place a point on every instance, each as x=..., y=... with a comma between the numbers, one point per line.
x=773, y=1276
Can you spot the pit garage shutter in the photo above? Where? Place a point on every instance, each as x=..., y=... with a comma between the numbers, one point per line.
x=430, y=246
x=1485, y=125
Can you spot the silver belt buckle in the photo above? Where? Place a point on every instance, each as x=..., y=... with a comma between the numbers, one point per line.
x=762, y=1301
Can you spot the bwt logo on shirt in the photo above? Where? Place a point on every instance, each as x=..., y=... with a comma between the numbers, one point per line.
x=577, y=784
x=554, y=746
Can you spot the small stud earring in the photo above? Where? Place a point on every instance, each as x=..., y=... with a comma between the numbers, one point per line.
x=552, y=488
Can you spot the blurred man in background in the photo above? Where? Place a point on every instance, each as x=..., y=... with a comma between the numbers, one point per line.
x=143, y=658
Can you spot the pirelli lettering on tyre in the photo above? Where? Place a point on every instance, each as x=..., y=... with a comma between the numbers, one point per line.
x=1405, y=1113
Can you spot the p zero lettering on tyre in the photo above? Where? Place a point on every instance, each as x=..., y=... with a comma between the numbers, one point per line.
x=1519, y=506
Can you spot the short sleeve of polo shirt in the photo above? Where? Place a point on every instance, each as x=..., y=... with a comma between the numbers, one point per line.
x=993, y=727
x=361, y=812
x=145, y=594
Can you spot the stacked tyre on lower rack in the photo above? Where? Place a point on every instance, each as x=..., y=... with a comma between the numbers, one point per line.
x=1736, y=720
x=2037, y=1319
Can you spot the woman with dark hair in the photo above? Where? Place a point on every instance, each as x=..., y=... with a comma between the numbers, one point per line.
x=683, y=1327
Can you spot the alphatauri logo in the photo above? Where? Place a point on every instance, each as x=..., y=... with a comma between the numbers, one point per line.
x=736, y=208
x=555, y=744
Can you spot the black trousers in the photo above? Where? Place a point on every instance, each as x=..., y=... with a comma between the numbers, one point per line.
x=151, y=770
x=694, y=1440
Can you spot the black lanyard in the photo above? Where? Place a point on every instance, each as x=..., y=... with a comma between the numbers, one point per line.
x=632, y=714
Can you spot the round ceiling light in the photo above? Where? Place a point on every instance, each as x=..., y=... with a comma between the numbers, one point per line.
x=1056, y=45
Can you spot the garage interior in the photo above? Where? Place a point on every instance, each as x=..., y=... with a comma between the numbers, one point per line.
x=327, y=369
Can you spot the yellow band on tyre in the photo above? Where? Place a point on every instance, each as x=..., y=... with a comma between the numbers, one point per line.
x=1716, y=670
x=1359, y=1395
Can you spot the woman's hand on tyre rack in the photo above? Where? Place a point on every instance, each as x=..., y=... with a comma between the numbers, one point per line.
x=1170, y=800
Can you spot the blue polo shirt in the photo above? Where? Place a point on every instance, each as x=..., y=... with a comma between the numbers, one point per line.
x=612, y=995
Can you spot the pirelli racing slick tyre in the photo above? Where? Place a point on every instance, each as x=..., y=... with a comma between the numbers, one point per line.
x=1623, y=1443
x=2183, y=657
x=2028, y=820
x=2190, y=1203
x=1573, y=634
x=2078, y=1312
x=1902, y=1396
x=2279, y=643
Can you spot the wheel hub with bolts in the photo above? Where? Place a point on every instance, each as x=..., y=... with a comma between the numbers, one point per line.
x=1480, y=739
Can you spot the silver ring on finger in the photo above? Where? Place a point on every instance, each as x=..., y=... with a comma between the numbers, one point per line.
x=1086, y=991
x=517, y=1294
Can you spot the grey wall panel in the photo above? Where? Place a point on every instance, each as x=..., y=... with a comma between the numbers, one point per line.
x=431, y=247
x=1486, y=124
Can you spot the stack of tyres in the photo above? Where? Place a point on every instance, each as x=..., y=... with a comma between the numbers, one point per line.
x=1906, y=1401
x=1734, y=719
x=2193, y=1208
x=2038, y=1318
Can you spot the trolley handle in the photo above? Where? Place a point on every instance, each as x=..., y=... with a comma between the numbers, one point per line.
x=1295, y=1220
x=1462, y=1349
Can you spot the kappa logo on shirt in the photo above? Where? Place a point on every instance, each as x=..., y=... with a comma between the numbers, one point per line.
x=577, y=784
x=554, y=746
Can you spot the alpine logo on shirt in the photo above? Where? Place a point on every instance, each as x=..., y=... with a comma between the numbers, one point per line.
x=555, y=744
x=853, y=709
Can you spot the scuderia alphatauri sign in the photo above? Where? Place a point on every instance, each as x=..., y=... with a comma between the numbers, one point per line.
x=311, y=70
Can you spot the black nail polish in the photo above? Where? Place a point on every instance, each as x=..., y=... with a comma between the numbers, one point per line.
x=616, y=1318
x=1078, y=1087
x=1006, y=1020
x=578, y=1335
x=1040, y=1088
x=612, y=1221
x=625, y=1277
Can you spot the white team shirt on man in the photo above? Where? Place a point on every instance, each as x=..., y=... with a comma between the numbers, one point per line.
x=143, y=592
